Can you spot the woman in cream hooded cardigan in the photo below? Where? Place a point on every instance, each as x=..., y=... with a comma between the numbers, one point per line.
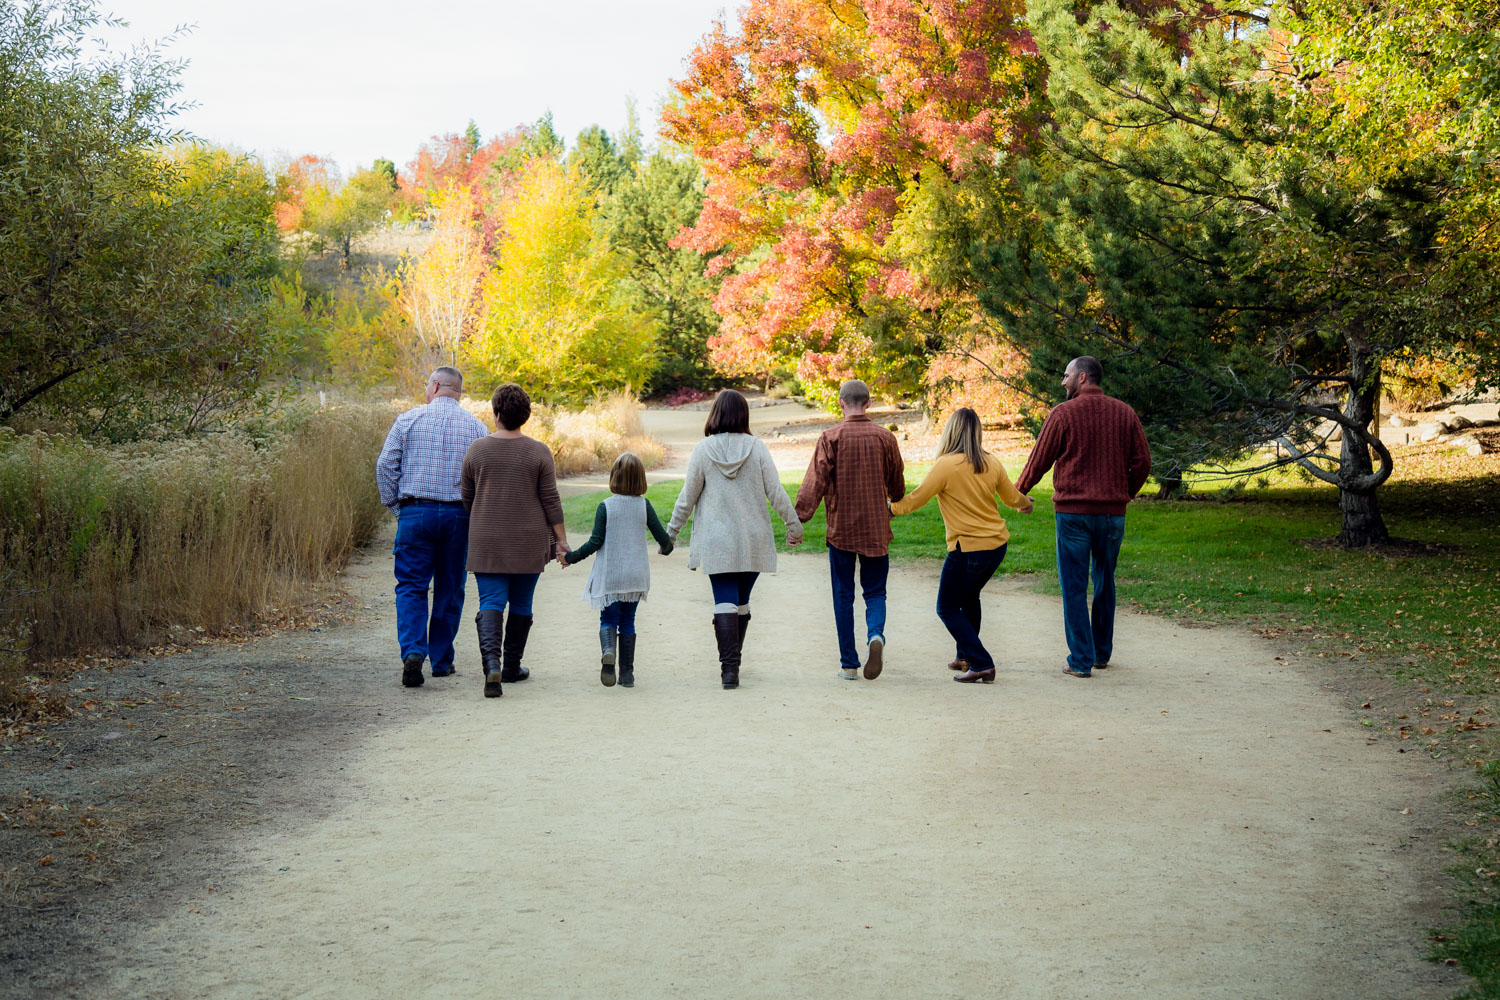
x=730, y=477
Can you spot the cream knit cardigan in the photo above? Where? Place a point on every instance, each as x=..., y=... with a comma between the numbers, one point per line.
x=729, y=479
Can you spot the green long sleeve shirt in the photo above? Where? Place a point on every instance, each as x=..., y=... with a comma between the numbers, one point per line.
x=601, y=518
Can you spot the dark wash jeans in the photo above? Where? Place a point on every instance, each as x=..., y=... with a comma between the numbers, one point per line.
x=1081, y=539
x=432, y=546
x=873, y=571
x=732, y=588
x=620, y=615
x=964, y=576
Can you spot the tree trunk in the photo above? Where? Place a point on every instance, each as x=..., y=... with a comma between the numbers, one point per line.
x=1362, y=523
x=1168, y=487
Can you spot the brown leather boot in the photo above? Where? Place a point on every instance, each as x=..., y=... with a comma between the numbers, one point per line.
x=490, y=624
x=516, y=631
x=627, y=660
x=608, y=639
x=727, y=635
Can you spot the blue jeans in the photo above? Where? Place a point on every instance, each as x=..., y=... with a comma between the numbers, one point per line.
x=1081, y=538
x=432, y=545
x=496, y=590
x=732, y=588
x=873, y=571
x=621, y=615
x=964, y=576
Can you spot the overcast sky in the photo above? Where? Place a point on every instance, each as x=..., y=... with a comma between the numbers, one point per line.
x=376, y=78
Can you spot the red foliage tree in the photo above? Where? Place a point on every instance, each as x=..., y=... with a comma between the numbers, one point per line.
x=815, y=123
x=294, y=182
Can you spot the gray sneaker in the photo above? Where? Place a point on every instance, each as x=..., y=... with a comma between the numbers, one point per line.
x=876, y=658
x=849, y=675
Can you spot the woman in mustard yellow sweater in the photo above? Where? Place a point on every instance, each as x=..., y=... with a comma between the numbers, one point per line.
x=966, y=479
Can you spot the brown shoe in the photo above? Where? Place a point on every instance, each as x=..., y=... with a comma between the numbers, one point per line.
x=958, y=665
x=976, y=676
x=1076, y=673
x=875, y=662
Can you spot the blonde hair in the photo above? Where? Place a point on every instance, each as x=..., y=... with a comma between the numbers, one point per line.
x=627, y=476
x=963, y=433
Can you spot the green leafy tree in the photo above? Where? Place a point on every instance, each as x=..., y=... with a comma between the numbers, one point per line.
x=341, y=217
x=559, y=318
x=598, y=161
x=1204, y=213
x=644, y=218
x=130, y=278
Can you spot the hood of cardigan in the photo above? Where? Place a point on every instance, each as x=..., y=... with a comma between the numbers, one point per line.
x=728, y=452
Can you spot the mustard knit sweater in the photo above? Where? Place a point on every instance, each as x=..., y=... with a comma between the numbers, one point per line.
x=967, y=501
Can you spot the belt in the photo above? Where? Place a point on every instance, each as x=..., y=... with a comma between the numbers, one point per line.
x=408, y=501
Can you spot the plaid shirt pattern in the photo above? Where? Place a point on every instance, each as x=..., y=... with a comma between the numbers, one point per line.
x=424, y=452
x=855, y=469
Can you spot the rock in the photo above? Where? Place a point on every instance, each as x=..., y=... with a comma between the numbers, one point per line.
x=1427, y=432
x=1457, y=422
x=1397, y=420
x=1464, y=441
x=1475, y=449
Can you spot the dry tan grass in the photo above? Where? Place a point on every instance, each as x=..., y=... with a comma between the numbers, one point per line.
x=587, y=440
x=104, y=546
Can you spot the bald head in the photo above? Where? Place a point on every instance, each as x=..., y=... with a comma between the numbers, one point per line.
x=854, y=396
x=1080, y=372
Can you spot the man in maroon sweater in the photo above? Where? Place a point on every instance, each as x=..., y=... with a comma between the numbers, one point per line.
x=1098, y=449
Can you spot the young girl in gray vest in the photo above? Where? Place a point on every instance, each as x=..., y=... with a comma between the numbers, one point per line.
x=622, y=574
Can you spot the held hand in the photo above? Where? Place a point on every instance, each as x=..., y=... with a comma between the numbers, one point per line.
x=794, y=535
x=1030, y=504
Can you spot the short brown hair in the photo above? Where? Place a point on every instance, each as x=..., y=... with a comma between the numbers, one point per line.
x=1090, y=368
x=512, y=406
x=627, y=476
x=730, y=414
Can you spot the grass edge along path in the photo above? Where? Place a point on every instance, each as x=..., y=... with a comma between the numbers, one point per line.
x=1423, y=617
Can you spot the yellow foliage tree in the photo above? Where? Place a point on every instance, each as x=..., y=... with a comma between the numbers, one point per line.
x=558, y=316
x=440, y=291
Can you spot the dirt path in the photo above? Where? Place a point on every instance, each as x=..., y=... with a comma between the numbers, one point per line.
x=1202, y=821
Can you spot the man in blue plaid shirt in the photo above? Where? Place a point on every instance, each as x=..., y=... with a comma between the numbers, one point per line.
x=418, y=474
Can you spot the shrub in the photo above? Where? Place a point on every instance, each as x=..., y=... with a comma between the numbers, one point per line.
x=685, y=394
x=107, y=546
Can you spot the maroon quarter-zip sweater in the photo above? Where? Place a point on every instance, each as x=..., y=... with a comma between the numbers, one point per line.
x=1099, y=449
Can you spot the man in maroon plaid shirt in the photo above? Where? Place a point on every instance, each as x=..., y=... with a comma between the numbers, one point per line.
x=856, y=470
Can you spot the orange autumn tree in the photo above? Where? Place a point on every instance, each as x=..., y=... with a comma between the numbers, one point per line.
x=816, y=122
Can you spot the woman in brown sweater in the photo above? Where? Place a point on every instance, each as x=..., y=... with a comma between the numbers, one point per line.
x=515, y=528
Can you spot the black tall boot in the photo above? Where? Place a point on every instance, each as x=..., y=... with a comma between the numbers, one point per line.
x=607, y=639
x=744, y=624
x=727, y=634
x=490, y=624
x=515, y=647
x=627, y=660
